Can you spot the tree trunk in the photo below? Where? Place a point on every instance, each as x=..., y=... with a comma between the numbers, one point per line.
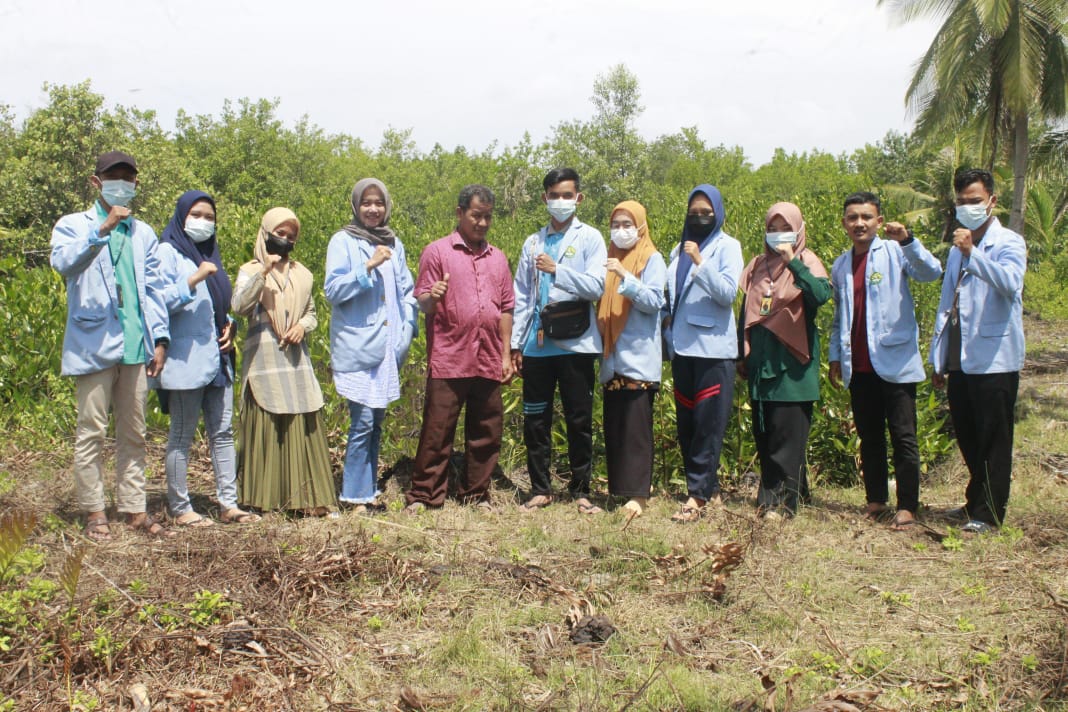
x=1019, y=172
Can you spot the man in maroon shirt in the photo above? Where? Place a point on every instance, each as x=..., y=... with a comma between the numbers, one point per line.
x=465, y=289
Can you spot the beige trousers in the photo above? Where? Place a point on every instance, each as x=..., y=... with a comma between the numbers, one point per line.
x=121, y=388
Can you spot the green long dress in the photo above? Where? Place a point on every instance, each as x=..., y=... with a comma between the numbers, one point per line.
x=285, y=461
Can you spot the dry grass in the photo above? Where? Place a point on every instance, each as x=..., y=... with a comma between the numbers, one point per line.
x=460, y=609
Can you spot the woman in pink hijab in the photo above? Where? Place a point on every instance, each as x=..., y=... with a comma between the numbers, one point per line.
x=783, y=287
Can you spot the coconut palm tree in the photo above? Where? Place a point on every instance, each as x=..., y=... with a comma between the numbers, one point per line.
x=993, y=65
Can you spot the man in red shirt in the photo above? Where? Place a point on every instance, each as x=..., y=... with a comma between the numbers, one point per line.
x=465, y=289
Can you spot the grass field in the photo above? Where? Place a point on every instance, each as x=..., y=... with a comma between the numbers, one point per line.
x=462, y=609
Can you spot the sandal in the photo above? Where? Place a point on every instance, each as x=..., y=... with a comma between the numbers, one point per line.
x=238, y=516
x=194, y=522
x=585, y=506
x=149, y=527
x=876, y=512
x=538, y=501
x=898, y=524
x=97, y=530
x=687, y=514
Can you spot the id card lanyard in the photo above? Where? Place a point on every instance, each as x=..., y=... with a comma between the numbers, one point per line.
x=115, y=257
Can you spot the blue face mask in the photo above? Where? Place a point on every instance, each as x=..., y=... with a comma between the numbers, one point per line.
x=117, y=192
x=774, y=239
x=972, y=216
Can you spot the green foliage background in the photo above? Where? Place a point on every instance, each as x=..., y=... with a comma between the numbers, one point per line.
x=250, y=161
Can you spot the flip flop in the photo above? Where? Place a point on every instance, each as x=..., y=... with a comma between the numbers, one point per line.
x=589, y=508
x=97, y=530
x=238, y=516
x=900, y=525
x=538, y=501
x=197, y=522
x=686, y=515
x=878, y=515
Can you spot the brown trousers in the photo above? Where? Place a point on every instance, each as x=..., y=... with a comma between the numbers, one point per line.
x=483, y=422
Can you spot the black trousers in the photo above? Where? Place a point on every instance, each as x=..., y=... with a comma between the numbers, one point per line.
x=628, y=441
x=704, y=393
x=878, y=405
x=982, y=409
x=541, y=375
x=781, y=434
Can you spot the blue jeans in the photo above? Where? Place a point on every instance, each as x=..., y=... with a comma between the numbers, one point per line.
x=359, y=483
x=185, y=406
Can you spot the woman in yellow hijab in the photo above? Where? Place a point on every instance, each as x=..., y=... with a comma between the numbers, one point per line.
x=629, y=320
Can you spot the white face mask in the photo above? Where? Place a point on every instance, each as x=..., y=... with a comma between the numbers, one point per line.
x=561, y=209
x=199, y=229
x=973, y=216
x=780, y=238
x=118, y=192
x=624, y=237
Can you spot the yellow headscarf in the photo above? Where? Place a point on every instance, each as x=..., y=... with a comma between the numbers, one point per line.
x=614, y=308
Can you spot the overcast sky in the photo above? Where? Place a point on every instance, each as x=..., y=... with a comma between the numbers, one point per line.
x=760, y=74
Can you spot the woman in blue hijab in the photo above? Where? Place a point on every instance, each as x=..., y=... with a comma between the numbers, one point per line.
x=200, y=360
x=701, y=340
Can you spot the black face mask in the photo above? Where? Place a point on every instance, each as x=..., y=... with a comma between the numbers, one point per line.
x=700, y=226
x=278, y=245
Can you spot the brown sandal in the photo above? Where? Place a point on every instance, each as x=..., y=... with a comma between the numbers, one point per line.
x=686, y=515
x=238, y=516
x=152, y=528
x=538, y=501
x=97, y=530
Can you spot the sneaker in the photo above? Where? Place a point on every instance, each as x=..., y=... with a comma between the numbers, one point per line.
x=974, y=526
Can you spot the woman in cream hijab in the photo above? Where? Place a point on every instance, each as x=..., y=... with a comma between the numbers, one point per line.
x=285, y=461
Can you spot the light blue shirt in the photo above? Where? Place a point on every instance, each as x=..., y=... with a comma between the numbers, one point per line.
x=893, y=335
x=702, y=317
x=193, y=359
x=93, y=339
x=548, y=347
x=378, y=386
x=359, y=329
x=579, y=276
x=637, y=352
x=991, y=304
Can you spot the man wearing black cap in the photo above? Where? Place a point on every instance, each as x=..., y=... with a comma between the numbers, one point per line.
x=116, y=326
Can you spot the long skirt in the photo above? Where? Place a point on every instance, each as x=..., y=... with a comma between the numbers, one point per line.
x=628, y=441
x=285, y=460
